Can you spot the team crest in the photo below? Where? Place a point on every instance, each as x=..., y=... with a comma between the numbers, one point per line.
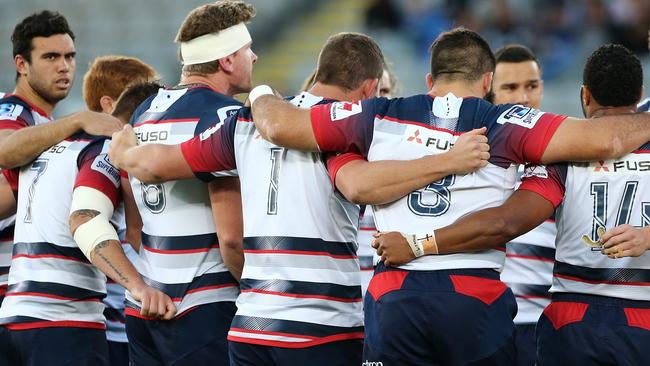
x=10, y=111
x=520, y=115
x=341, y=110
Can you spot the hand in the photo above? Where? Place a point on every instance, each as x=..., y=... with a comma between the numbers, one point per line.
x=393, y=248
x=99, y=124
x=120, y=143
x=155, y=303
x=470, y=152
x=625, y=241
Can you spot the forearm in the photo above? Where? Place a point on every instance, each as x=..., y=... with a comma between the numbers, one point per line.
x=109, y=257
x=283, y=124
x=225, y=198
x=381, y=182
x=24, y=145
x=154, y=163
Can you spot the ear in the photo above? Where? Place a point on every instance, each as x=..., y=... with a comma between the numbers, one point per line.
x=487, y=82
x=585, y=95
x=107, y=103
x=428, y=79
x=227, y=63
x=370, y=88
x=22, y=66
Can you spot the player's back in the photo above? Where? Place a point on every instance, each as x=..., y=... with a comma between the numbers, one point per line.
x=300, y=284
x=180, y=251
x=602, y=194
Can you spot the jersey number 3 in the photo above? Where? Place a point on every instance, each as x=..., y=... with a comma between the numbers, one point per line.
x=437, y=193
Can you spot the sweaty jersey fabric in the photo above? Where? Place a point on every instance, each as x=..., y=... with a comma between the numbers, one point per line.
x=51, y=282
x=409, y=128
x=180, y=251
x=602, y=194
x=300, y=284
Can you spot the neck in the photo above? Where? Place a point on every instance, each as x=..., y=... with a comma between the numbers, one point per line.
x=334, y=92
x=608, y=111
x=214, y=82
x=457, y=88
x=26, y=92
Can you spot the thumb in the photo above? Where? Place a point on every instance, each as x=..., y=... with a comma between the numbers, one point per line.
x=477, y=131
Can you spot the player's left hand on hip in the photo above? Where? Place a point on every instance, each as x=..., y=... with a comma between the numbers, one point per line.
x=625, y=241
x=393, y=248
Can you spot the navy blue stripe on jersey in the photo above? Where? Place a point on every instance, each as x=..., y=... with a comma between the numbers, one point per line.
x=530, y=291
x=42, y=249
x=612, y=276
x=208, y=281
x=528, y=251
x=297, y=245
x=180, y=244
x=7, y=234
x=300, y=289
x=276, y=326
x=114, y=315
x=4, y=270
x=53, y=290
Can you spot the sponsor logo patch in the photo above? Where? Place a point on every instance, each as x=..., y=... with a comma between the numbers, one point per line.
x=520, y=115
x=535, y=171
x=10, y=111
x=224, y=112
x=341, y=110
x=103, y=165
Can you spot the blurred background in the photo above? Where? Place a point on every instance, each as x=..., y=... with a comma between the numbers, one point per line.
x=287, y=35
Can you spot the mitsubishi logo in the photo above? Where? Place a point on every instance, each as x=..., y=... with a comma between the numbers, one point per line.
x=416, y=137
x=602, y=166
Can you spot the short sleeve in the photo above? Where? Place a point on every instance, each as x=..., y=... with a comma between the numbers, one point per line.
x=344, y=126
x=11, y=175
x=96, y=171
x=337, y=161
x=13, y=116
x=547, y=181
x=216, y=116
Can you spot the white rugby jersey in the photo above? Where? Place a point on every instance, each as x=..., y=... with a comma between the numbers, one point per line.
x=592, y=195
x=366, y=253
x=180, y=252
x=300, y=285
x=6, y=245
x=410, y=128
x=51, y=282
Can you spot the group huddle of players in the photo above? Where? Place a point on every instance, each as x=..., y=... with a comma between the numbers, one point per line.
x=226, y=234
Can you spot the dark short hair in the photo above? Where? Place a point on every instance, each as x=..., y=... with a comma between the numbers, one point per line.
x=347, y=59
x=515, y=53
x=614, y=76
x=132, y=97
x=44, y=24
x=461, y=54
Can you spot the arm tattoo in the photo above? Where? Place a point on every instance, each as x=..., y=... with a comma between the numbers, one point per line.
x=85, y=213
x=97, y=252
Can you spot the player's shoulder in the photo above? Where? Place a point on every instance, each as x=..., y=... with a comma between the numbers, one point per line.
x=12, y=107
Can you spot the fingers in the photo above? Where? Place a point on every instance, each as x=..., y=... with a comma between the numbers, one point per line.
x=477, y=131
x=171, y=309
x=615, y=231
x=144, y=305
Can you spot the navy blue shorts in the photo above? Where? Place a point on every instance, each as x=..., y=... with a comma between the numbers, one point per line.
x=53, y=346
x=341, y=353
x=594, y=330
x=118, y=353
x=449, y=317
x=197, y=337
x=526, y=344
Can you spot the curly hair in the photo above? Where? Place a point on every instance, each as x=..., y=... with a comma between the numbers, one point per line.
x=614, y=76
x=44, y=24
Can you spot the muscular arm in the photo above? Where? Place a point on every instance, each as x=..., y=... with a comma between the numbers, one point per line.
x=225, y=198
x=151, y=163
x=380, y=182
x=19, y=147
x=484, y=229
x=271, y=115
x=600, y=138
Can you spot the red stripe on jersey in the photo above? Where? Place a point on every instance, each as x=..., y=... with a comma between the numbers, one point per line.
x=52, y=324
x=55, y=256
x=530, y=257
x=562, y=313
x=368, y=228
x=13, y=125
x=180, y=251
x=337, y=162
x=419, y=124
x=386, y=282
x=641, y=152
x=178, y=120
x=285, y=344
x=31, y=105
x=302, y=296
x=550, y=189
x=485, y=289
x=11, y=175
x=298, y=252
x=50, y=296
x=639, y=318
x=3, y=290
x=241, y=119
x=571, y=278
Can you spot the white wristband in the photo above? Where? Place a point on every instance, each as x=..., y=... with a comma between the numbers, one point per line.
x=93, y=232
x=416, y=245
x=258, y=91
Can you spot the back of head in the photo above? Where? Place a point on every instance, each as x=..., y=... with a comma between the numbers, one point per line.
x=43, y=24
x=110, y=75
x=211, y=18
x=348, y=59
x=460, y=55
x=132, y=97
x=614, y=76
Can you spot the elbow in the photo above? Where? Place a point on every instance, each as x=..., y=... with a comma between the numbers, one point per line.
x=271, y=132
x=614, y=148
x=231, y=243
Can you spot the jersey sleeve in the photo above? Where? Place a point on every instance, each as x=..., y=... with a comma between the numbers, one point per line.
x=212, y=153
x=96, y=170
x=547, y=181
x=14, y=116
x=337, y=161
x=219, y=115
x=344, y=126
x=11, y=175
x=520, y=134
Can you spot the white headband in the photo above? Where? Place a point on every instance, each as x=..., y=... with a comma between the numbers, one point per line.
x=213, y=46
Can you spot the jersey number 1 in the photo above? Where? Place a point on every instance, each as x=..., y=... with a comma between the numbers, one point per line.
x=599, y=191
